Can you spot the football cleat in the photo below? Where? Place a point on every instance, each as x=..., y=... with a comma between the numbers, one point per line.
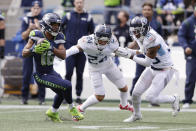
x=133, y=118
x=127, y=107
x=81, y=111
x=176, y=105
x=76, y=115
x=186, y=106
x=54, y=116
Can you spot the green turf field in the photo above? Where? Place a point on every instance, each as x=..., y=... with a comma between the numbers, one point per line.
x=15, y=117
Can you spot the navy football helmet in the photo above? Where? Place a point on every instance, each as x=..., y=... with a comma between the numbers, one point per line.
x=139, y=26
x=48, y=21
x=102, y=33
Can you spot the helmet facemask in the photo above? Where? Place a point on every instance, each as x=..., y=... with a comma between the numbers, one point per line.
x=102, y=36
x=139, y=27
x=102, y=41
x=51, y=24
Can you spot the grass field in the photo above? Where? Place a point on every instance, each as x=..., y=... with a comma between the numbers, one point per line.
x=103, y=117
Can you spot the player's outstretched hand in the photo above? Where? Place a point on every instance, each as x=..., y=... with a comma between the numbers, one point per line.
x=42, y=46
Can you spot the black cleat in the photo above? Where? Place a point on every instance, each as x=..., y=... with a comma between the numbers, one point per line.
x=79, y=101
x=24, y=102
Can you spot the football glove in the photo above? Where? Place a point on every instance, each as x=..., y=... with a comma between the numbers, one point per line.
x=42, y=47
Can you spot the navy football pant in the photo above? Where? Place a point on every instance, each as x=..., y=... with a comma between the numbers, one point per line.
x=54, y=81
x=190, y=81
x=27, y=79
x=138, y=72
x=77, y=61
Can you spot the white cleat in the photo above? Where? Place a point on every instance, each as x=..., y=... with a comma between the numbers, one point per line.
x=186, y=106
x=176, y=105
x=133, y=118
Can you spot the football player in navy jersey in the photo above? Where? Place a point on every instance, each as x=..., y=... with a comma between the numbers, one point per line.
x=44, y=45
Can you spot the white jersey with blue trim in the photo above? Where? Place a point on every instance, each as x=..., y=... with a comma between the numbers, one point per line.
x=152, y=39
x=98, y=59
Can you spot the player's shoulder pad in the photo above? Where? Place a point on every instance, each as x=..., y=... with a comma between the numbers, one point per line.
x=86, y=39
x=150, y=37
x=60, y=39
x=113, y=43
x=35, y=33
x=113, y=39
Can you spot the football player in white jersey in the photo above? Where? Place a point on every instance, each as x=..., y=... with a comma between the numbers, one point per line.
x=98, y=48
x=160, y=67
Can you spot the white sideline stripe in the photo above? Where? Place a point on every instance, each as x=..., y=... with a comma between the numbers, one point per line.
x=90, y=108
x=179, y=129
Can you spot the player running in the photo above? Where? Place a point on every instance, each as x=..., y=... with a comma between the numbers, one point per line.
x=44, y=45
x=98, y=48
x=160, y=67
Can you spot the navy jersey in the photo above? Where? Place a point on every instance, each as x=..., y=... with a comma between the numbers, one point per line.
x=26, y=21
x=75, y=25
x=44, y=62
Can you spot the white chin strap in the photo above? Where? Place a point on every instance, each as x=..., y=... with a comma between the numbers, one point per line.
x=54, y=33
x=101, y=47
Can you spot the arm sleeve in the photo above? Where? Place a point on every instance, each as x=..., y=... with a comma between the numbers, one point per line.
x=182, y=35
x=147, y=61
x=71, y=51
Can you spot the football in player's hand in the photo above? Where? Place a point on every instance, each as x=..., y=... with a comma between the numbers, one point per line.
x=41, y=46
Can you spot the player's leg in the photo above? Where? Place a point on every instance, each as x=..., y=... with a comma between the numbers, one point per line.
x=116, y=77
x=159, y=82
x=97, y=82
x=63, y=88
x=53, y=111
x=80, y=64
x=141, y=86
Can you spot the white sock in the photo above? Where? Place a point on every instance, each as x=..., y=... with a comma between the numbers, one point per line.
x=78, y=97
x=89, y=102
x=54, y=109
x=136, y=100
x=164, y=99
x=123, y=98
x=71, y=106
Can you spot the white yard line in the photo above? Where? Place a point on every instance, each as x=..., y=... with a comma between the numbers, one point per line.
x=179, y=129
x=90, y=108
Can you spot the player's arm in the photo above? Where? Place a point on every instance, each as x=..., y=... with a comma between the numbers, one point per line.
x=133, y=45
x=73, y=50
x=60, y=51
x=128, y=52
x=147, y=61
x=27, y=50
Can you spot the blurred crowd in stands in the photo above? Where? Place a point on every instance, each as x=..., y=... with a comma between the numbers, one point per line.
x=166, y=16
